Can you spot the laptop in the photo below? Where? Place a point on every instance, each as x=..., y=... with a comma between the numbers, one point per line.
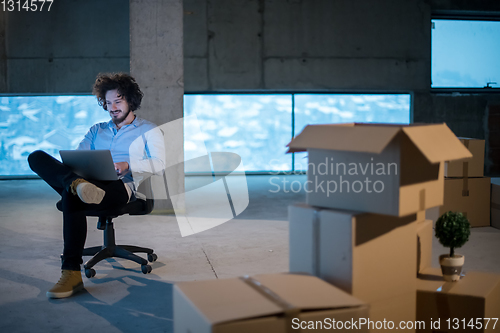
x=90, y=164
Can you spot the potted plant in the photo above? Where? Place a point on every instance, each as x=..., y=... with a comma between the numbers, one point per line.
x=452, y=230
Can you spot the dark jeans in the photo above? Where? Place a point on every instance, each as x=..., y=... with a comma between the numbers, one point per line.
x=60, y=177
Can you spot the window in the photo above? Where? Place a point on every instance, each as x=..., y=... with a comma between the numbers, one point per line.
x=465, y=54
x=338, y=108
x=49, y=123
x=258, y=127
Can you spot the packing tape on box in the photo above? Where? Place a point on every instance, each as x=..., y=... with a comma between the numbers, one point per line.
x=421, y=205
x=465, y=189
x=290, y=311
x=421, y=216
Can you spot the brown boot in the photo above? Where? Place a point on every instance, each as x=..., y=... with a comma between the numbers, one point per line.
x=69, y=284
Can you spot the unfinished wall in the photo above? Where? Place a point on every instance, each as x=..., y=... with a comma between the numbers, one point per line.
x=62, y=51
x=253, y=45
x=355, y=46
x=3, y=53
x=341, y=45
x=467, y=114
x=230, y=45
x=470, y=6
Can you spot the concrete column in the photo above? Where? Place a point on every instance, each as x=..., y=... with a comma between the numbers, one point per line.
x=3, y=53
x=156, y=62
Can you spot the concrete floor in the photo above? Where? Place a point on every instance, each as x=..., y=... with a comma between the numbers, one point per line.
x=122, y=299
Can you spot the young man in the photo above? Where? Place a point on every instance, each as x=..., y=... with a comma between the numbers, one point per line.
x=120, y=95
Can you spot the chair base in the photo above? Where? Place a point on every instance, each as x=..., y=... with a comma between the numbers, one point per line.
x=111, y=250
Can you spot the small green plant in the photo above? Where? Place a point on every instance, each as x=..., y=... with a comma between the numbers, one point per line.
x=452, y=230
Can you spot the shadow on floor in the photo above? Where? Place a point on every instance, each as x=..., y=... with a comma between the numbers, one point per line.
x=128, y=303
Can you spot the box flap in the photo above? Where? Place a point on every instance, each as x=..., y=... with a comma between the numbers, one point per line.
x=233, y=299
x=345, y=137
x=437, y=143
x=226, y=300
x=308, y=292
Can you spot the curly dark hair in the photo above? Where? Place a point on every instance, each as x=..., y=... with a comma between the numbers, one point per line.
x=126, y=85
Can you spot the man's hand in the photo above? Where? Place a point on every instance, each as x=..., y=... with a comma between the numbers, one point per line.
x=121, y=167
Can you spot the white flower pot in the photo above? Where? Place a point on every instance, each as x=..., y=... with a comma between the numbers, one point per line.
x=451, y=266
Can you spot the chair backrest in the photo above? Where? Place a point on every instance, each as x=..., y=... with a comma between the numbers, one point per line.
x=145, y=189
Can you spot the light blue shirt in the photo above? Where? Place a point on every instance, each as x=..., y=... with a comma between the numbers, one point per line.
x=148, y=157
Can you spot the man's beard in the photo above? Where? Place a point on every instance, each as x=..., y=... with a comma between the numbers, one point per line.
x=118, y=120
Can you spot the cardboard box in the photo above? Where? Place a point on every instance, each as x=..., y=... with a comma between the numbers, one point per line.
x=396, y=309
x=476, y=295
x=384, y=169
x=424, y=245
x=470, y=196
x=265, y=303
x=370, y=256
x=472, y=167
x=495, y=202
x=432, y=214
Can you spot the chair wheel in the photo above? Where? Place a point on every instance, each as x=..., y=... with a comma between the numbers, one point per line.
x=146, y=269
x=152, y=257
x=89, y=272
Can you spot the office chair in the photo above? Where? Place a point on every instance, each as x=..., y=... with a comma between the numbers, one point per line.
x=110, y=249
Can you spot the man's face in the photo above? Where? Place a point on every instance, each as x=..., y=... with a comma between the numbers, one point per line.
x=117, y=106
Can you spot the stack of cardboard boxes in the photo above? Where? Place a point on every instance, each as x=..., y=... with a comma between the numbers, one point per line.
x=369, y=187
x=473, y=303
x=495, y=203
x=361, y=238
x=466, y=189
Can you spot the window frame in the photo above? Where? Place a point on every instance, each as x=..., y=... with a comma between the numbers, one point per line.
x=456, y=15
